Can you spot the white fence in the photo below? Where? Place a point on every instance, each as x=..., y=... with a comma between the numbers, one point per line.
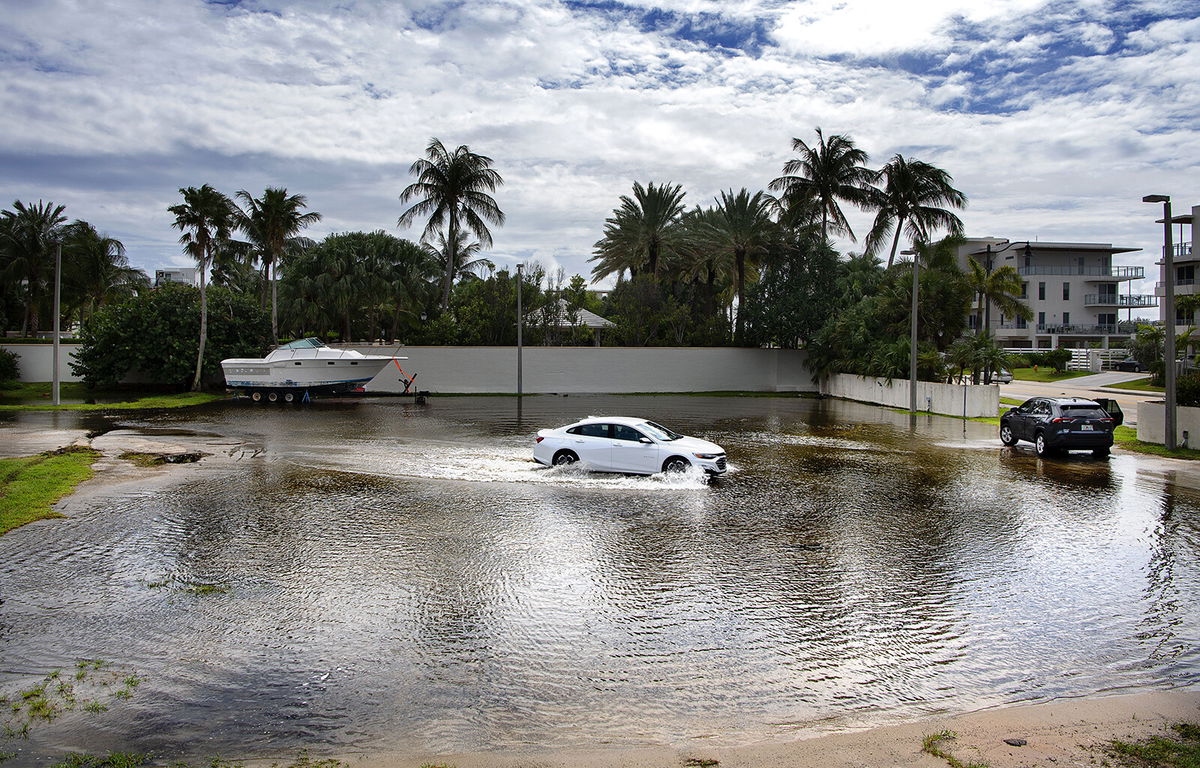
x=968, y=400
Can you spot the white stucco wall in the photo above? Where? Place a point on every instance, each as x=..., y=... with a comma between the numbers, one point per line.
x=596, y=369
x=948, y=399
x=1151, y=424
x=36, y=361
x=549, y=369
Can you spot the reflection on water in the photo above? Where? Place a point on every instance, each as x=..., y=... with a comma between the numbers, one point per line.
x=405, y=578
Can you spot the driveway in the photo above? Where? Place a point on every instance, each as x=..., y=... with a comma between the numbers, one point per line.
x=1085, y=386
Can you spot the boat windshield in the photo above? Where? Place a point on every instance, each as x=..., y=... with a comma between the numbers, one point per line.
x=659, y=431
x=312, y=343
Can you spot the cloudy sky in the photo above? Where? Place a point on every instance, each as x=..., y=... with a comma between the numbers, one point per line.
x=1055, y=118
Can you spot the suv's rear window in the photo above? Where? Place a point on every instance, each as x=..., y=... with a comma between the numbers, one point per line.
x=1083, y=412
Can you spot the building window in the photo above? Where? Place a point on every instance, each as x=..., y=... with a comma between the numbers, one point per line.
x=1066, y=291
x=1041, y=319
x=1041, y=291
x=1066, y=318
x=1108, y=320
x=1185, y=275
x=1182, y=318
x=1024, y=290
x=1020, y=322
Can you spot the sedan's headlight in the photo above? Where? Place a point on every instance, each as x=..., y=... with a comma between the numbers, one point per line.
x=706, y=455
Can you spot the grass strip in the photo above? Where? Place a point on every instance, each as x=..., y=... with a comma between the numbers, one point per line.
x=12, y=395
x=30, y=485
x=1162, y=751
x=1046, y=374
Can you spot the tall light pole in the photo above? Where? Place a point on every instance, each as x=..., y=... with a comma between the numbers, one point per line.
x=1169, y=312
x=519, y=324
x=54, y=387
x=912, y=339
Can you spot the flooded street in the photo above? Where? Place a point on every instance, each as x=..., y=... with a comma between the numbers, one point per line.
x=374, y=576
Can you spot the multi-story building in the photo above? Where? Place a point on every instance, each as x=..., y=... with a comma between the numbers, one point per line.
x=185, y=275
x=1073, y=289
x=1187, y=267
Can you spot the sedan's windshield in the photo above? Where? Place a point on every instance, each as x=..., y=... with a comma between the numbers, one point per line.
x=659, y=432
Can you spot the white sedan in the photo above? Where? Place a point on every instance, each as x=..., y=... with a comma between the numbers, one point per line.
x=623, y=444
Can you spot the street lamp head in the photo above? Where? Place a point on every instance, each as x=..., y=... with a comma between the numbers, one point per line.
x=1156, y=199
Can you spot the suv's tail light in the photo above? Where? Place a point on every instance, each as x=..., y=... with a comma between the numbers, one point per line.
x=1062, y=420
x=540, y=438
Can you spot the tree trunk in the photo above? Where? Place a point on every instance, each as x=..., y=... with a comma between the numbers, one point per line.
x=274, y=295
x=740, y=263
x=451, y=258
x=203, y=325
x=896, y=242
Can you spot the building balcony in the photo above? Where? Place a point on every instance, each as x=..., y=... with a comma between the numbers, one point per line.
x=1185, y=287
x=1133, y=301
x=1079, y=330
x=1091, y=273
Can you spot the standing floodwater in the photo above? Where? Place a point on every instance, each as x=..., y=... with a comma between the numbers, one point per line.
x=387, y=577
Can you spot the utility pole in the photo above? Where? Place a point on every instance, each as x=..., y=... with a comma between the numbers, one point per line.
x=56, y=400
x=520, y=282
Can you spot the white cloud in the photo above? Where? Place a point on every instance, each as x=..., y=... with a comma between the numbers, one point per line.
x=129, y=101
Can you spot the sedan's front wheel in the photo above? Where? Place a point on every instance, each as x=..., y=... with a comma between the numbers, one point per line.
x=1006, y=435
x=676, y=464
x=562, y=458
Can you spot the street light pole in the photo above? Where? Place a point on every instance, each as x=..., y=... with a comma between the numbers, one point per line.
x=1169, y=312
x=519, y=324
x=57, y=302
x=912, y=338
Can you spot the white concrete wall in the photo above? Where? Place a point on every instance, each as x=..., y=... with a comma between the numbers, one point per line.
x=1152, y=428
x=596, y=369
x=36, y=361
x=981, y=399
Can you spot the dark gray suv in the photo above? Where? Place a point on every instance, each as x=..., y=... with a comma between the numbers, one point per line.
x=1055, y=424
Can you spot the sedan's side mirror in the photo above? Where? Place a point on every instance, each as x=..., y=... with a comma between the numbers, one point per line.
x=645, y=440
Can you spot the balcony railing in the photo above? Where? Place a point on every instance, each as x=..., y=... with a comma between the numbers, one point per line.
x=1078, y=330
x=1116, y=273
x=1182, y=250
x=1119, y=300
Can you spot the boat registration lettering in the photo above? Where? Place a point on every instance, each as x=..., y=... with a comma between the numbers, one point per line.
x=250, y=371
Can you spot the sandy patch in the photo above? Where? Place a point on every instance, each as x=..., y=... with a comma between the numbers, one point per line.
x=1067, y=732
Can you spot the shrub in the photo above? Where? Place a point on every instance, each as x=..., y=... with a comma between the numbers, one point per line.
x=1059, y=358
x=1187, y=390
x=1019, y=361
x=157, y=333
x=10, y=369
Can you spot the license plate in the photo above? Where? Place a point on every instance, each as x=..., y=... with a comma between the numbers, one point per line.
x=1086, y=428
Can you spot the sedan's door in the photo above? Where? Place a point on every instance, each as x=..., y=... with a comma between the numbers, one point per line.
x=634, y=452
x=593, y=445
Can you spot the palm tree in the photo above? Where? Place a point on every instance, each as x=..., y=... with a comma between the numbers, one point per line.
x=1001, y=287
x=28, y=237
x=911, y=195
x=465, y=256
x=833, y=169
x=96, y=270
x=742, y=229
x=452, y=190
x=205, y=217
x=270, y=222
x=641, y=231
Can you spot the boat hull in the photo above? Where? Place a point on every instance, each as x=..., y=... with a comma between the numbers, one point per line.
x=317, y=376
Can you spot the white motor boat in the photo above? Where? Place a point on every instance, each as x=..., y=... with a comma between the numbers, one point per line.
x=303, y=367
